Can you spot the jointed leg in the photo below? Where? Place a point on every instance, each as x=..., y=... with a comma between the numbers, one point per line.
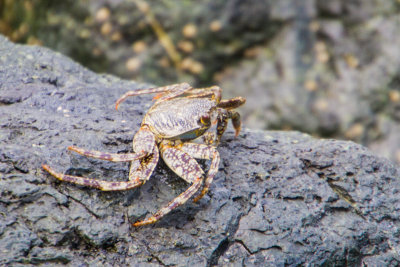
x=169, y=88
x=143, y=144
x=209, y=138
x=180, y=162
x=142, y=169
x=181, y=199
x=222, y=123
x=187, y=168
x=177, y=90
x=106, y=156
x=232, y=103
x=99, y=184
x=237, y=125
x=144, y=141
x=213, y=91
x=201, y=151
x=139, y=173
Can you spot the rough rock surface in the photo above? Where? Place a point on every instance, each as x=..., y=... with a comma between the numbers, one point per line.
x=279, y=199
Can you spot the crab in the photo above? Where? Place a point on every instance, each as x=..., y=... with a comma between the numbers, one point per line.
x=179, y=115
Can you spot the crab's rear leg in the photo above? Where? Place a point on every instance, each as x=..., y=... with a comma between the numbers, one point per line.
x=106, y=156
x=139, y=173
x=171, y=90
x=213, y=91
x=174, y=92
x=143, y=143
x=201, y=151
x=140, y=169
x=187, y=168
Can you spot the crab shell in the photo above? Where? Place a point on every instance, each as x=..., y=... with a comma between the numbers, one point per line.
x=181, y=118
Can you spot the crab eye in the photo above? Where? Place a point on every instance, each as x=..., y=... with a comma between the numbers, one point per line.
x=205, y=120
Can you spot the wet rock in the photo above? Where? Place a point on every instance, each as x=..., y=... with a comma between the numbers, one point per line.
x=279, y=198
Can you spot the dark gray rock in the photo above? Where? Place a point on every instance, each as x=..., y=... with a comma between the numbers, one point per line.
x=279, y=199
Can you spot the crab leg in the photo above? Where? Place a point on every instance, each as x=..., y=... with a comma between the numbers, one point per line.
x=237, y=125
x=144, y=141
x=143, y=168
x=181, y=199
x=139, y=173
x=178, y=88
x=223, y=117
x=212, y=91
x=177, y=91
x=225, y=113
x=214, y=138
x=187, y=168
x=232, y=103
x=99, y=184
x=143, y=164
x=201, y=151
x=106, y=156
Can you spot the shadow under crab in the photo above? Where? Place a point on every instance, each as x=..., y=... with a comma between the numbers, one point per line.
x=179, y=115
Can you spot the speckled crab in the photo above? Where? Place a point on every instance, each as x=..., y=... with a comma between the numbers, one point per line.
x=179, y=115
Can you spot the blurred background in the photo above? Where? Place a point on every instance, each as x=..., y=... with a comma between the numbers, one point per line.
x=327, y=68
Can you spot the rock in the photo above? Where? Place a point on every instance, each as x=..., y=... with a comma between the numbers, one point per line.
x=337, y=77
x=279, y=198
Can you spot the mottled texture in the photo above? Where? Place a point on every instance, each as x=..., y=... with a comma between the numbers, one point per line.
x=279, y=198
x=171, y=120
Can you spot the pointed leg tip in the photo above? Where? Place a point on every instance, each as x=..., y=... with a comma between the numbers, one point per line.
x=237, y=132
x=144, y=222
x=46, y=167
x=73, y=148
x=50, y=170
x=157, y=96
x=137, y=224
x=202, y=194
x=119, y=101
